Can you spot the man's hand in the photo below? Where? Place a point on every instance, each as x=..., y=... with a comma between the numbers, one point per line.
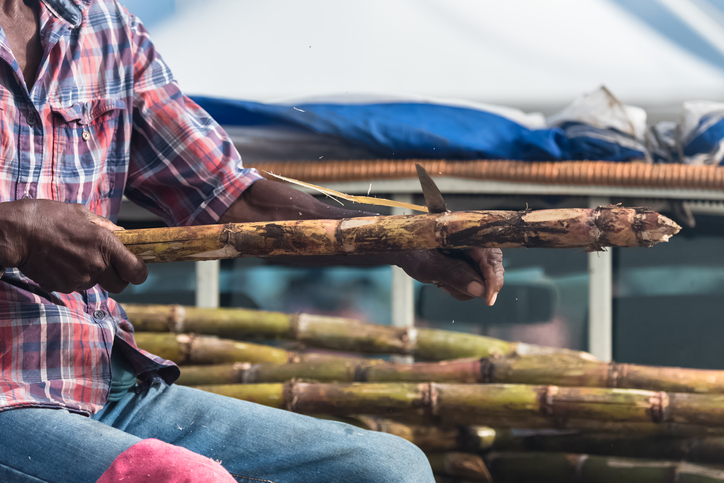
x=479, y=274
x=65, y=247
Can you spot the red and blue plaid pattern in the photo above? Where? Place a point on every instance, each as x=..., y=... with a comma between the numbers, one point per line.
x=105, y=118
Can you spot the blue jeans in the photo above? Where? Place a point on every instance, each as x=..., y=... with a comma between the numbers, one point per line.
x=252, y=442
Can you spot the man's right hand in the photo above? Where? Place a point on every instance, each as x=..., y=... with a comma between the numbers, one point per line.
x=64, y=247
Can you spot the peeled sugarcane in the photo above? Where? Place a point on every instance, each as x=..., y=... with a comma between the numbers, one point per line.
x=502, y=405
x=592, y=229
x=578, y=468
x=462, y=465
x=193, y=349
x=559, y=369
x=330, y=332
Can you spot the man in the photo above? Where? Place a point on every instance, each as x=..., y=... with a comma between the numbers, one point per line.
x=88, y=112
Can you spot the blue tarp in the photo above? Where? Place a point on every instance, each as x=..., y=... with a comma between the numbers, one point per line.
x=400, y=130
x=407, y=129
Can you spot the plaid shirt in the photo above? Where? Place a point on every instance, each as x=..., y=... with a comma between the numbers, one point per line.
x=104, y=118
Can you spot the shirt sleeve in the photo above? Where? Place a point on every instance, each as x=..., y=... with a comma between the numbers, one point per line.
x=183, y=166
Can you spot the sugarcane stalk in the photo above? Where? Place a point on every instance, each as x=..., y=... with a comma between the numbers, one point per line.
x=701, y=449
x=559, y=369
x=502, y=405
x=193, y=349
x=451, y=479
x=664, y=429
x=433, y=438
x=554, y=369
x=464, y=371
x=578, y=468
x=330, y=333
x=480, y=439
x=535, y=369
x=696, y=446
x=438, y=439
x=591, y=229
x=233, y=323
x=462, y=465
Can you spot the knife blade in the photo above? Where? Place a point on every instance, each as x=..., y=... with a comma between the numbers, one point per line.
x=434, y=200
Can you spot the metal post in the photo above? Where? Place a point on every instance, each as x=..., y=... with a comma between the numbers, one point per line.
x=600, y=297
x=207, y=284
x=403, y=289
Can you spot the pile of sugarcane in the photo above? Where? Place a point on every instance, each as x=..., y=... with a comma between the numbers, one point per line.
x=483, y=409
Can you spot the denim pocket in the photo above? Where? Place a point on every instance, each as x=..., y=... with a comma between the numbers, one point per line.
x=88, y=143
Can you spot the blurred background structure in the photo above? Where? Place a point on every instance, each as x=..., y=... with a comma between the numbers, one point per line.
x=654, y=306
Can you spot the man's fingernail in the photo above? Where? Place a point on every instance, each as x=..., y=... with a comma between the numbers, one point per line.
x=475, y=289
x=492, y=299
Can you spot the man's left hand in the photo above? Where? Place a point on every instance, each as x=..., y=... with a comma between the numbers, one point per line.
x=480, y=276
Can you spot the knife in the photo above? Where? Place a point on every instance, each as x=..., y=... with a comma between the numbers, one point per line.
x=435, y=203
x=433, y=197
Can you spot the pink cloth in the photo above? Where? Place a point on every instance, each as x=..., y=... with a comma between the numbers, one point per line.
x=153, y=461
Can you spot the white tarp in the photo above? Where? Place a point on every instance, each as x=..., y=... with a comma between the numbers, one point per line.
x=513, y=52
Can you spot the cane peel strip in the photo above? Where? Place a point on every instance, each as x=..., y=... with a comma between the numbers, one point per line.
x=366, y=200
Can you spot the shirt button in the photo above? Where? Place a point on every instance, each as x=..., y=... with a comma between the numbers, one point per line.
x=85, y=135
x=31, y=120
x=25, y=197
x=99, y=314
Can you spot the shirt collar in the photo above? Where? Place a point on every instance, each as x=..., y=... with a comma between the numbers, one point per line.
x=67, y=10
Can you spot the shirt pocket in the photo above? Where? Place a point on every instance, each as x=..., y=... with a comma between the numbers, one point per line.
x=86, y=149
